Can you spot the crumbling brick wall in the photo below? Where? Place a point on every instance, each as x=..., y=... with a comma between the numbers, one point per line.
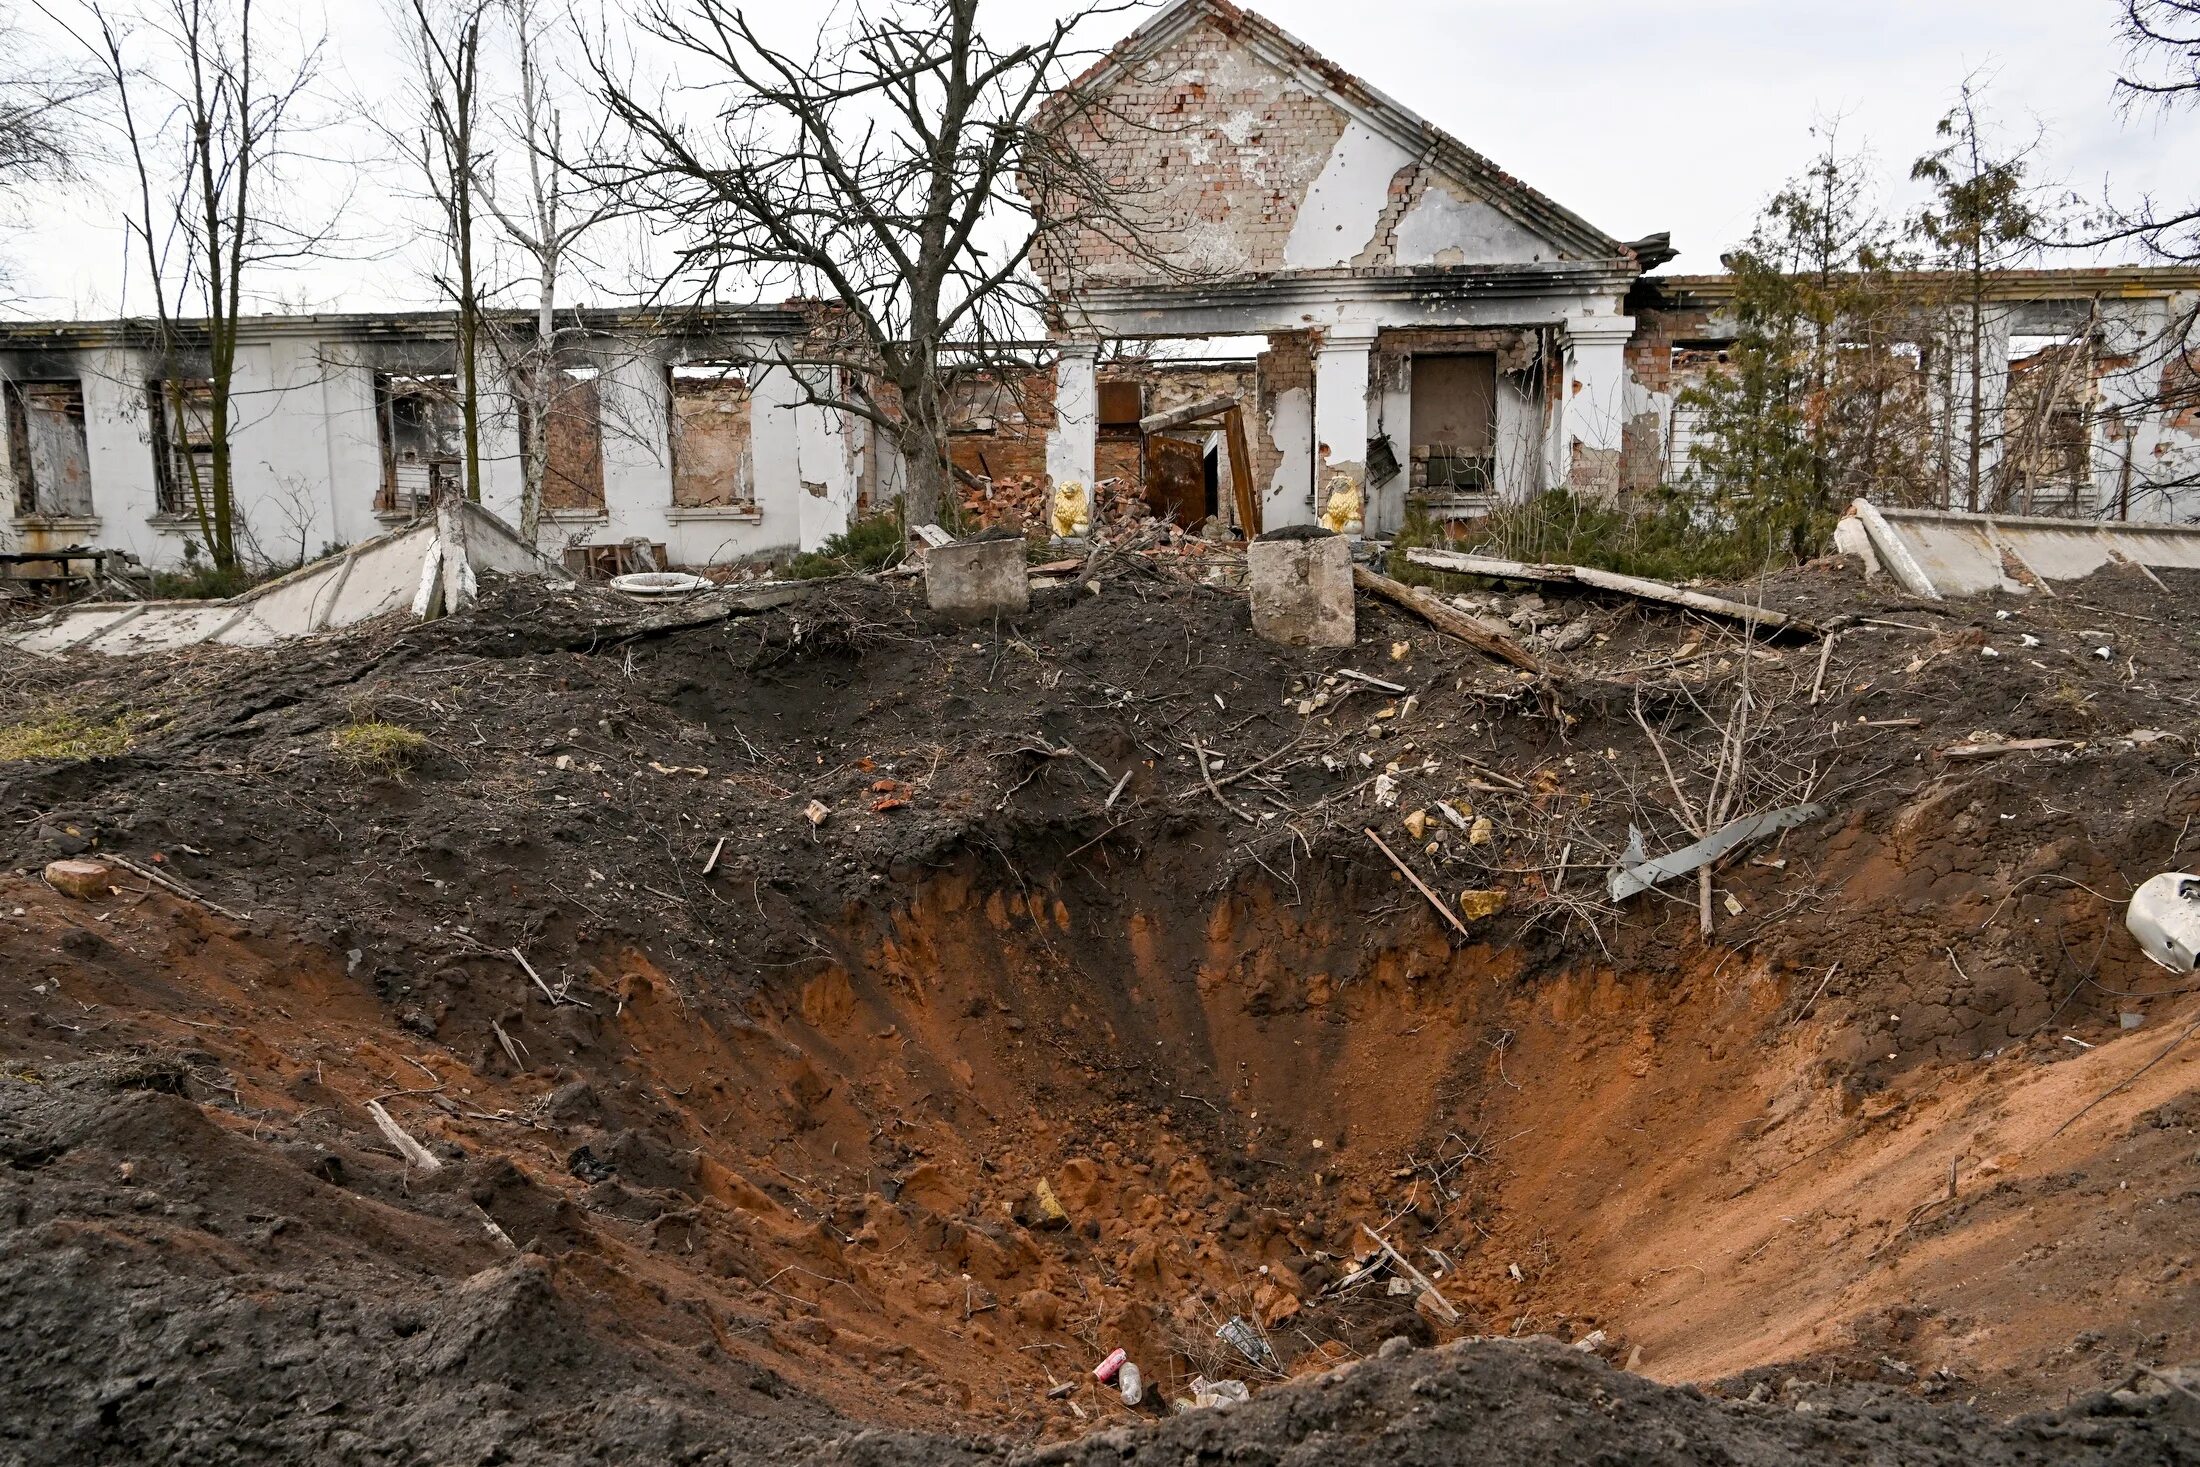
x=1002, y=419
x=1658, y=370
x=1209, y=151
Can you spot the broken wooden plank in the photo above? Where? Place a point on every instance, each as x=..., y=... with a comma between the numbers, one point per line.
x=1429, y=1290
x=1191, y=412
x=1757, y=618
x=414, y=1153
x=1241, y=472
x=1452, y=623
x=1443, y=910
x=2012, y=746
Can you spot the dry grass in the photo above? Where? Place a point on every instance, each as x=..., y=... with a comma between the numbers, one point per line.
x=61, y=734
x=385, y=750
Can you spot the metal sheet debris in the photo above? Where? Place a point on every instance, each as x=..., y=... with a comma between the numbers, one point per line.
x=1635, y=874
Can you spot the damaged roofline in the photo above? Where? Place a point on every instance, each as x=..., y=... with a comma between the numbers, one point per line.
x=142, y=332
x=2137, y=282
x=1417, y=283
x=1415, y=134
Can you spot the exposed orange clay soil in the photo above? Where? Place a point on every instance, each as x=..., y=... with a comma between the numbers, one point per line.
x=838, y=1187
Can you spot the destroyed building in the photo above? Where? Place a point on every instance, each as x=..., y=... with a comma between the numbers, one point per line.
x=1386, y=304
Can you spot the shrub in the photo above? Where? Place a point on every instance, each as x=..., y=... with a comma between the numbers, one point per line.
x=1661, y=536
x=868, y=544
x=386, y=750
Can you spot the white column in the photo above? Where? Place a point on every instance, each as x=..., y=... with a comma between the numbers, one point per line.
x=1340, y=409
x=1594, y=407
x=1073, y=447
x=1993, y=361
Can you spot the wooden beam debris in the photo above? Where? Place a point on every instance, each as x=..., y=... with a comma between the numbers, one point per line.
x=170, y=884
x=1191, y=412
x=414, y=1153
x=1756, y=618
x=1452, y=623
x=2011, y=746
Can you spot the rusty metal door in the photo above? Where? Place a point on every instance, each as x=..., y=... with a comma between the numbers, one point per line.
x=1176, y=480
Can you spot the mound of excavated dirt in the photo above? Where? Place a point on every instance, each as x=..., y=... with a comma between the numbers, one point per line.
x=864, y=1138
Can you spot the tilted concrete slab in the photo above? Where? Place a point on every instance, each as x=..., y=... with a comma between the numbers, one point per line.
x=1947, y=553
x=371, y=579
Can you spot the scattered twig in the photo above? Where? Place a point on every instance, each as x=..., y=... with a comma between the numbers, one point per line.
x=2125, y=1083
x=1199, y=755
x=1442, y=1305
x=1418, y=884
x=170, y=884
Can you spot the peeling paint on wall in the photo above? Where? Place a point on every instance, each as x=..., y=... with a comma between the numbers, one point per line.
x=1343, y=206
x=1442, y=227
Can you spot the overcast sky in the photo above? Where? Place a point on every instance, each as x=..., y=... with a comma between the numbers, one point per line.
x=1640, y=115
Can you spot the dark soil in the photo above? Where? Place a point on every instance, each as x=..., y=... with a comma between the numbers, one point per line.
x=745, y=1168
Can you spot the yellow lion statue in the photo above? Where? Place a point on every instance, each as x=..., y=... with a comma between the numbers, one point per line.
x=1072, y=512
x=1343, y=515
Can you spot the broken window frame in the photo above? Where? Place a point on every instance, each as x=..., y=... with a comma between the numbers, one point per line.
x=594, y=503
x=176, y=451
x=33, y=500
x=1441, y=471
x=444, y=468
x=722, y=376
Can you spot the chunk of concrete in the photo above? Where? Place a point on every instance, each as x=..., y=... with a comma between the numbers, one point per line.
x=1300, y=583
x=84, y=880
x=977, y=580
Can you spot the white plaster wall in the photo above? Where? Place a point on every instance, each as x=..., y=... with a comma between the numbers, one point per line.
x=1519, y=443
x=1392, y=399
x=1290, y=430
x=776, y=454
x=2164, y=458
x=1443, y=227
x=1344, y=203
x=353, y=443
x=826, y=472
x=118, y=443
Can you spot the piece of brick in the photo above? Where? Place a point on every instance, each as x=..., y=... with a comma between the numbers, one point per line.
x=85, y=880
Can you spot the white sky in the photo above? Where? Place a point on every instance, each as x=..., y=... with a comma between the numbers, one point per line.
x=1640, y=115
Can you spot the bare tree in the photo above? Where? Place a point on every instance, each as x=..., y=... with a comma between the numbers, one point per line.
x=207, y=154
x=38, y=141
x=445, y=44
x=906, y=171
x=2162, y=41
x=558, y=207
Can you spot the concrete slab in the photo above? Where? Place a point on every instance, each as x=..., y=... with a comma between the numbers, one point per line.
x=1946, y=553
x=371, y=579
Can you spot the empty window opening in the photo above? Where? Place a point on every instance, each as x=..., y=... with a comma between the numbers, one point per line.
x=2047, y=462
x=713, y=462
x=423, y=432
x=572, y=478
x=181, y=411
x=46, y=454
x=1454, y=424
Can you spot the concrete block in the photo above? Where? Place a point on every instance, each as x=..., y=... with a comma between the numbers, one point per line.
x=977, y=580
x=1300, y=584
x=84, y=880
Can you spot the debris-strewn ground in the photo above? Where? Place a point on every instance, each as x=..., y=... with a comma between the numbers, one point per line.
x=742, y=1119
